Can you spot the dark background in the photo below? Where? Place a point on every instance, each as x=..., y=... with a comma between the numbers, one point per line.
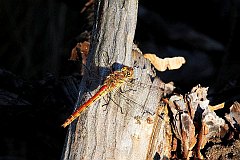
x=36, y=41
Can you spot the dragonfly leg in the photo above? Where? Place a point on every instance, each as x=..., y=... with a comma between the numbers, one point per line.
x=107, y=102
x=128, y=90
x=116, y=104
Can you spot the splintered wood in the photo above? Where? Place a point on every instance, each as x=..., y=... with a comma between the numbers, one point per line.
x=183, y=125
x=193, y=124
x=234, y=116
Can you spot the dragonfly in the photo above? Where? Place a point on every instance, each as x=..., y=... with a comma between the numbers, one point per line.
x=112, y=82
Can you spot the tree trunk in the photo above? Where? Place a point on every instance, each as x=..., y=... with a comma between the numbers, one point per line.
x=117, y=127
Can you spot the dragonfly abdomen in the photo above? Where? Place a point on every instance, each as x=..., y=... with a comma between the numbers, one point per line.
x=102, y=91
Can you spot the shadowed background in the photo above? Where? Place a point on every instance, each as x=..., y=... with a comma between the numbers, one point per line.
x=37, y=39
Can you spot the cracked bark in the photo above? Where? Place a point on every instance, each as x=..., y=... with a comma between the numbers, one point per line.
x=116, y=127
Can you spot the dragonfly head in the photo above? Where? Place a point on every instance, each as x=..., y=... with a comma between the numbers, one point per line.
x=127, y=71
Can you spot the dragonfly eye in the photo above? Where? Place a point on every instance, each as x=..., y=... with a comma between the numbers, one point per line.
x=129, y=74
x=127, y=71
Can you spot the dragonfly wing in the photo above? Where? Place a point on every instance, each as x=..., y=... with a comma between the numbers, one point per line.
x=129, y=95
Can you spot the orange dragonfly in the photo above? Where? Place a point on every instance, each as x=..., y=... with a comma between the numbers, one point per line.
x=113, y=81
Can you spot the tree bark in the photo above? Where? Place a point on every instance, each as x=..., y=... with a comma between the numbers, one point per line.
x=117, y=127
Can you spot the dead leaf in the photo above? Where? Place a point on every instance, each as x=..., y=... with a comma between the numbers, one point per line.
x=83, y=48
x=74, y=54
x=80, y=51
x=87, y=5
x=166, y=63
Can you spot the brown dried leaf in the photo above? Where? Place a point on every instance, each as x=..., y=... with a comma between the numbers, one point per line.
x=74, y=54
x=87, y=5
x=83, y=48
x=166, y=63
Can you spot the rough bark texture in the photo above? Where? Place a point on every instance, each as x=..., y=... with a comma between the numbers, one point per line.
x=116, y=127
